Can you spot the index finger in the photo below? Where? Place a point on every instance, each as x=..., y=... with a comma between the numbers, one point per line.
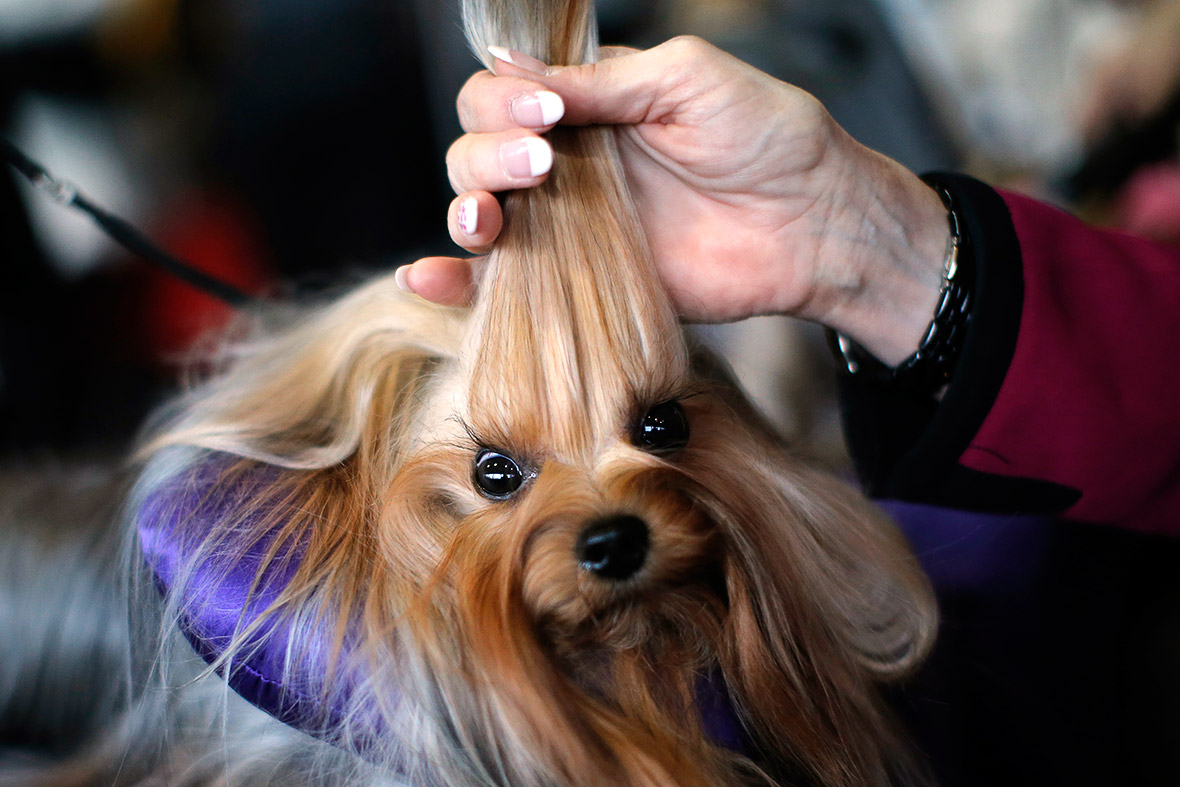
x=488, y=103
x=627, y=86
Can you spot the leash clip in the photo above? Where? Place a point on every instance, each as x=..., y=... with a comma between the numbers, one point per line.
x=62, y=192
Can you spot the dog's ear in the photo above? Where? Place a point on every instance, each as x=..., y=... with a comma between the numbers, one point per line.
x=872, y=580
x=854, y=566
x=303, y=396
x=257, y=509
x=828, y=604
x=825, y=601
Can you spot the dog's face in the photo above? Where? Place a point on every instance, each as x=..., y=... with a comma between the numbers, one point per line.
x=607, y=537
x=604, y=538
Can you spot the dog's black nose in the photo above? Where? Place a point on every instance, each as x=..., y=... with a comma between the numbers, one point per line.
x=614, y=547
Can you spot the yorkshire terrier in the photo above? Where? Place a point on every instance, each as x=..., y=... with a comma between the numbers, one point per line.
x=541, y=542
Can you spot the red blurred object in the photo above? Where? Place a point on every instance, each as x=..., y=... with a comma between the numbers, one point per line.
x=1149, y=204
x=217, y=234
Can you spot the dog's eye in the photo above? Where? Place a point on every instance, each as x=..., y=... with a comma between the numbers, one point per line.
x=663, y=429
x=496, y=475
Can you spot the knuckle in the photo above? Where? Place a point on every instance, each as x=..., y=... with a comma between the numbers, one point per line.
x=456, y=164
x=689, y=47
x=465, y=112
x=467, y=102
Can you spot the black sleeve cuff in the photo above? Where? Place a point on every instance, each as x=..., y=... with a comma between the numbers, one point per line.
x=906, y=446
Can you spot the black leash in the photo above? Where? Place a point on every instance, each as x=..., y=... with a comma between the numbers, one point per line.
x=66, y=193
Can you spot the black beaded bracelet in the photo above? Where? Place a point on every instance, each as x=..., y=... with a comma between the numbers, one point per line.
x=932, y=365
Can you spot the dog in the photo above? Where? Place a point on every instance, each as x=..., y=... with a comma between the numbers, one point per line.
x=541, y=541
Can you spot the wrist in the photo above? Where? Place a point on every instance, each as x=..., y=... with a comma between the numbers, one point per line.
x=881, y=269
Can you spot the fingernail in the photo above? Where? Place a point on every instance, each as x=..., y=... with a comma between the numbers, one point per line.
x=399, y=278
x=527, y=158
x=469, y=215
x=542, y=108
x=518, y=59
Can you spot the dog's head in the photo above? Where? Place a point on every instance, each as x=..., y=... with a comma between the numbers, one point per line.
x=545, y=534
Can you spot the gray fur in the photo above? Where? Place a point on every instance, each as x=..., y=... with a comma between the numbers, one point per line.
x=76, y=706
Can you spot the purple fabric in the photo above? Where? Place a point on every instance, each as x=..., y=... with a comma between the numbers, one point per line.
x=175, y=518
x=718, y=716
x=217, y=600
x=966, y=551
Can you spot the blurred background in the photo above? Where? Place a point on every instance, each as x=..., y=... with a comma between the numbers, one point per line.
x=293, y=146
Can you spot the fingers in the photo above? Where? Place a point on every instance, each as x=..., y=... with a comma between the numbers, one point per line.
x=475, y=220
x=487, y=103
x=499, y=161
x=444, y=280
x=502, y=149
x=505, y=113
x=502, y=115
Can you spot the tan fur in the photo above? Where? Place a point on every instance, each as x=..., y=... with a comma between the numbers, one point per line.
x=491, y=657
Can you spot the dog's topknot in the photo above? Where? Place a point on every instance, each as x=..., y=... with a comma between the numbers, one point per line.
x=570, y=299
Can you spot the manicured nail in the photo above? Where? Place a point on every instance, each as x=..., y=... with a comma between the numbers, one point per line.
x=469, y=215
x=526, y=158
x=518, y=59
x=542, y=108
x=399, y=278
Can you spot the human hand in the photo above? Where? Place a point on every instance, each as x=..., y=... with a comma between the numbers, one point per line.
x=754, y=200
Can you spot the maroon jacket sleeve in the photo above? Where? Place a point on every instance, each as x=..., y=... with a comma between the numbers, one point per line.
x=1066, y=399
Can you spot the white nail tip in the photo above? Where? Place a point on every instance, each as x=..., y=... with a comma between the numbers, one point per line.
x=501, y=53
x=540, y=156
x=469, y=214
x=552, y=107
x=399, y=278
